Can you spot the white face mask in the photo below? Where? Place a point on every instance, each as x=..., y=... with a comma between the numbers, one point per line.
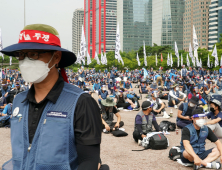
x=192, y=105
x=177, y=88
x=34, y=71
x=200, y=122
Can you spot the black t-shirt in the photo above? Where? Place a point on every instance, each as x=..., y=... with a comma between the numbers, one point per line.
x=189, y=110
x=186, y=134
x=121, y=99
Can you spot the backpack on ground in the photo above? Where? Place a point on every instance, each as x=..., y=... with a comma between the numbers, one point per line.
x=167, y=126
x=175, y=153
x=158, y=142
x=5, y=121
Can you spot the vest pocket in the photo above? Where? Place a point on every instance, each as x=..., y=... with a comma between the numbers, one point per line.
x=17, y=138
x=53, y=142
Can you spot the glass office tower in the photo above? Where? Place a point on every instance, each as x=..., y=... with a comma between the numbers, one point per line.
x=135, y=20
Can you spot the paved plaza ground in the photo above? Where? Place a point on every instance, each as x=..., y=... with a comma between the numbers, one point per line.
x=117, y=152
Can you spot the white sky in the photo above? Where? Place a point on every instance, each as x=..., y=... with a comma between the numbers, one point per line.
x=57, y=13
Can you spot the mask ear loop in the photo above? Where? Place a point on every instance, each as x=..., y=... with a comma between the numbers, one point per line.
x=50, y=61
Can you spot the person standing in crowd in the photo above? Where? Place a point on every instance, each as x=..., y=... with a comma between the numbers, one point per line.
x=81, y=77
x=183, y=72
x=54, y=125
x=158, y=79
x=215, y=114
x=174, y=97
x=144, y=121
x=193, y=142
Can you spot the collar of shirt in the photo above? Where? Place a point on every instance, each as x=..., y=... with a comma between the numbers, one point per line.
x=52, y=96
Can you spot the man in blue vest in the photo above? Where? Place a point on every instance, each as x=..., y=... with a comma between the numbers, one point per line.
x=81, y=77
x=103, y=93
x=183, y=72
x=127, y=85
x=54, y=125
x=219, y=84
x=193, y=142
x=220, y=71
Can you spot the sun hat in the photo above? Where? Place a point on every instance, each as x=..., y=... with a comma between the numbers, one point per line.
x=194, y=100
x=108, y=102
x=217, y=102
x=41, y=37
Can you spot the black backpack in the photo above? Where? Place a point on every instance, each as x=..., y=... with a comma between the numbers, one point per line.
x=167, y=126
x=175, y=153
x=158, y=142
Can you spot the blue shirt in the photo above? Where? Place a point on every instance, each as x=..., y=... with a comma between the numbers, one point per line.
x=212, y=116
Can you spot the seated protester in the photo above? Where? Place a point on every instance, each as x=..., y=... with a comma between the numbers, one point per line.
x=7, y=110
x=143, y=88
x=122, y=101
x=108, y=110
x=219, y=83
x=103, y=82
x=174, y=97
x=158, y=105
x=167, y=84
x=185, y=112
x=5, y=89
x=153, y=87
x=194, y=91
x=111, y=86
x=96, y=86
x=144, y=121
x=193, y=142
x=215, y=114
x=207, y=90
x=127, y=85
x=102, y=94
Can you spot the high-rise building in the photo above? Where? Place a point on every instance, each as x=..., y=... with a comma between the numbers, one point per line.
x=215, y=23
x=196, y=13
x=135, y=23
x=77, y=23
x=100, y=25
x=167, y=22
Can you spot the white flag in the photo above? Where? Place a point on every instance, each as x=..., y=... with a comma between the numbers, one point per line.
x=105, y=59
x=117, y=51
x=171, y=60
x=102, y=58
x=195, y=43
x=144, y=52
x=138, y=60
x=83, y=46
x=181, y=60
x=10, y=60
x=97, y=58
x=88, y=59
x=208, y=62
x=168, y=60
x=78, y=60
x=1, y=46
x=215, y=55
x=188, y=61
x=200, y=63
x=191, y=55
x=176, y=50
x=221, y=61
x=197, y=60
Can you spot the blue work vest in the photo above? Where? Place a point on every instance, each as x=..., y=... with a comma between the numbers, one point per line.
x=191, y=73
x=53, y=146
x=103, y=95
x=82, y=75
x=96, y=87
x=197, y=142
x=127, y=85
x=143, y=87
x=184, y=72
x=219, y=84
x=185, y=107
x=177, y=94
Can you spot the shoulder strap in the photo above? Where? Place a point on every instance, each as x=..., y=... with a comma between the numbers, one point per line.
x=150, y=120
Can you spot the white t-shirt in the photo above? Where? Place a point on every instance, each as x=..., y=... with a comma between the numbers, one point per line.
x=155, y=106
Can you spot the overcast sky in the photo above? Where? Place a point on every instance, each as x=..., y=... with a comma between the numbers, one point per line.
x=57, y=13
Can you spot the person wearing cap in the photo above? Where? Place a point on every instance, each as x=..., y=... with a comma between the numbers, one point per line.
x=193, y=140
x=158, y=105
x=108, y=110
x=111, y=86
x=54, y=125
x=121, y=100
x=209, y=88
x=215, y=114
x=144, y=121
x=185, y=112
x=103, y=93
x=175, y=96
